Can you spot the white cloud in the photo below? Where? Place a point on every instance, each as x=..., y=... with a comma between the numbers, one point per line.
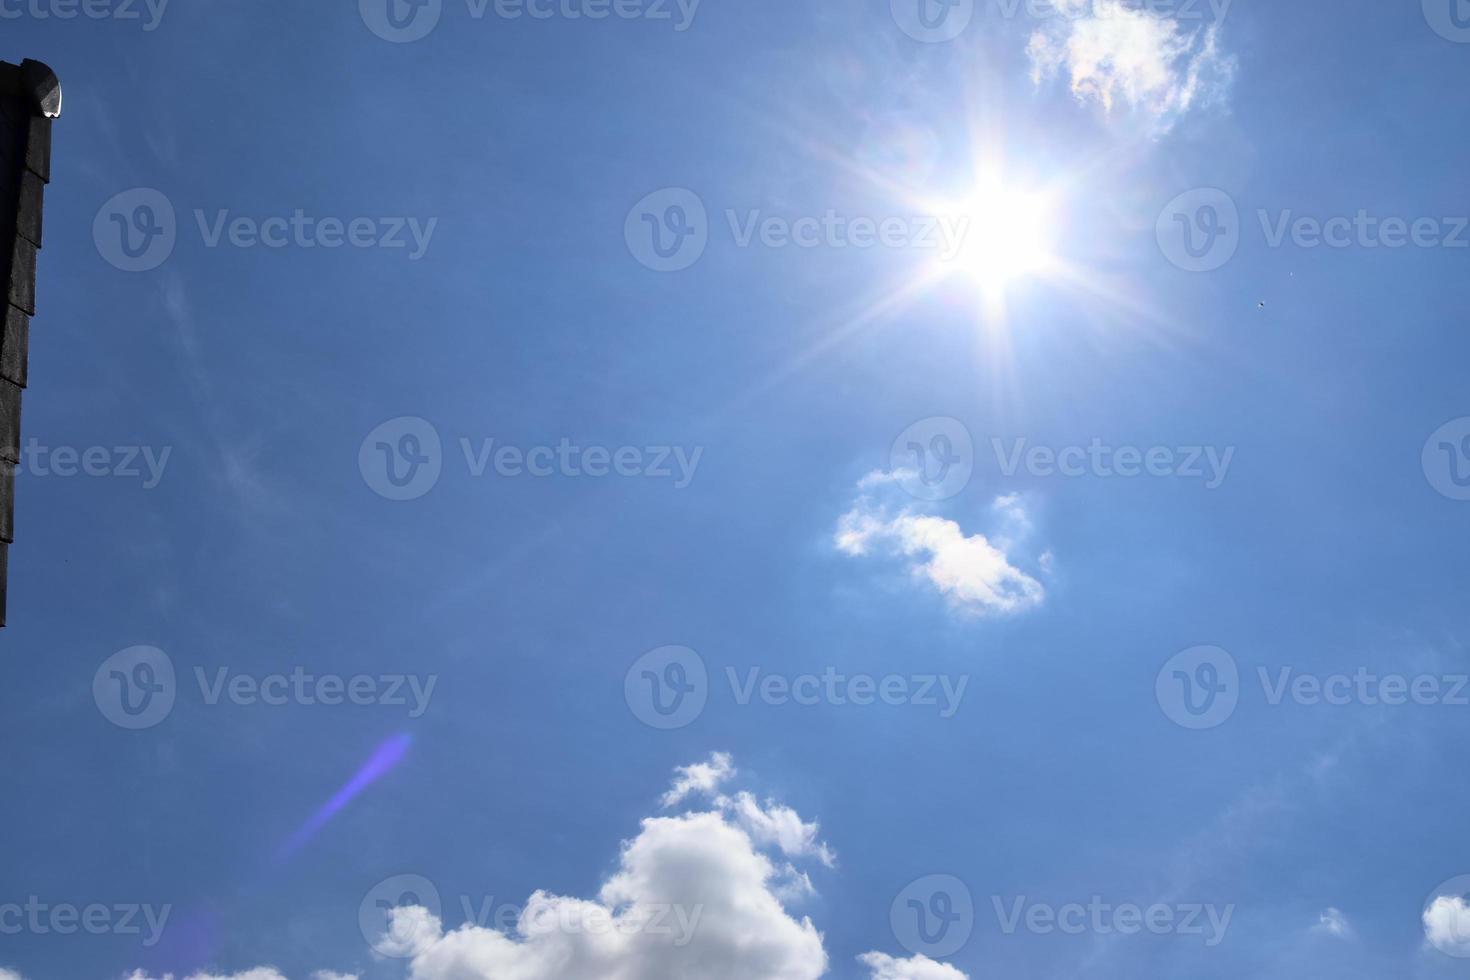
x=1113, y=54
x=778, y=826
x=1333, y=923
x=793, y=885
x=857, y=529
x=411, y=928
x=975, y=573
x=692, y=897
x=1015, y=522
x=10, y=975
x=703, y=777
x=919, y=968
x=771, y=825
x=1447, y=924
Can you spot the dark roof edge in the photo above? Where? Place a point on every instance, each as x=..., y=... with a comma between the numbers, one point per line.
x=36, y=80
x=44, y=87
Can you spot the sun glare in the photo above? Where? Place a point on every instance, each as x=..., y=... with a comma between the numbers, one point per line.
x=1006, y=236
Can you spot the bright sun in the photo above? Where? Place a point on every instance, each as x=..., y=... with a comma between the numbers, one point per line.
x=1006, y=236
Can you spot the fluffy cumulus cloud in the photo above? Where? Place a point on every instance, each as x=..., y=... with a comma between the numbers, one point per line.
x=1120, y=55
x=974, y=572
x=699, y=893
x=692, y=897
x=9, y=975
x=1447, y=924
x=919, y=968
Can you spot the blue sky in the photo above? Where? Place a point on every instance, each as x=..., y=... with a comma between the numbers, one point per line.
x=301, y=639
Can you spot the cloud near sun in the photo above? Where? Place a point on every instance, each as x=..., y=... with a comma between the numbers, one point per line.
x=975, y=573
x=1116, y=54
x=726, y=867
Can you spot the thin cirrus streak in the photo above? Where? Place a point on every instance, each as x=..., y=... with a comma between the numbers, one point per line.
x=383, y=760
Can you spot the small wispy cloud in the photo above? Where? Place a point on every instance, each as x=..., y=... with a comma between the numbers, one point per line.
x=769, y=825
x=1333, y=923
x=1118, y=55
x=781, y=827
x=238, y=472
x=973, y=571
x=700, y=778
